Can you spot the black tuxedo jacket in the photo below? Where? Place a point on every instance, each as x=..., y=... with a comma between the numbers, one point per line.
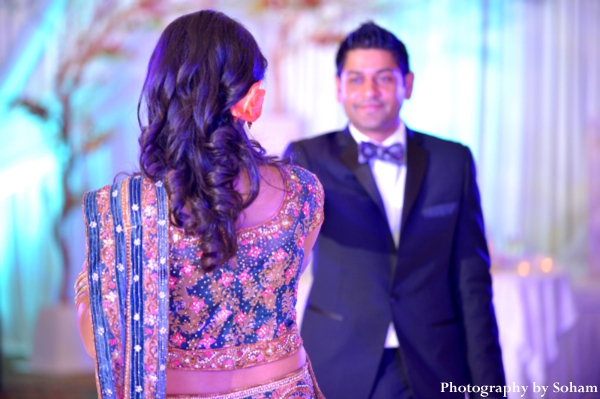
x=435, y=287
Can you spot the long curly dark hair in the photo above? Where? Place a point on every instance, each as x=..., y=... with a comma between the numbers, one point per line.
x=202, y=65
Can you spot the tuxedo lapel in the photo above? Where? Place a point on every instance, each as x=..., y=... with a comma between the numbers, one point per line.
x=415, y=172
x=362, y=172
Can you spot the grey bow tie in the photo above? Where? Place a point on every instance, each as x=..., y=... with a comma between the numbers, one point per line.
x=393, y=153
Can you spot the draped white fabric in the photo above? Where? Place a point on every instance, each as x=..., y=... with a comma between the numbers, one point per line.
x=518, y=81
x=30, y=269
x=541, y=94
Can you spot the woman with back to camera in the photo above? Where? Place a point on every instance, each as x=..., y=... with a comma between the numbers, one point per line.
x=192, y=266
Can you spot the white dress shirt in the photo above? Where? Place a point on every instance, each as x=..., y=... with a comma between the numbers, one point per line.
x=390, y=179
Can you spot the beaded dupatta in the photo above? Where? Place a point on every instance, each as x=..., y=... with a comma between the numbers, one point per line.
x=127, y=275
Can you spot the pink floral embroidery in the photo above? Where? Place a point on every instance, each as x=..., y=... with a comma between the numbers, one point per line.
x=244, y=276
x=223, y=314
x=306, y=209
x=197, y=305
x=150, y=253
x=178, y=339
x=263, y=331
x=226, y=279
x=173, y=282
x=187, y=268
x=268, y=291
x=240, y=318
x=280, y=255
x=207, y=340
x=254, y=251
x=301, y=242
x=281, y=329
x=289, y=274
x=150, y=319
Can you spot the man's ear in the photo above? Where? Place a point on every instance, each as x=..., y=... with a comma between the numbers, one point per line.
x=338, y=88
x=409, y=79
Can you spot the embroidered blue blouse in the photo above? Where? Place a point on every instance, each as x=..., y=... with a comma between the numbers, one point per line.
x=244, y=310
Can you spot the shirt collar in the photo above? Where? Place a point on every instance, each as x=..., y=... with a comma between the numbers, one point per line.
x=399, y=136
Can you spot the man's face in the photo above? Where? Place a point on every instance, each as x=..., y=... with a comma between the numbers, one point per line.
x=371, y=88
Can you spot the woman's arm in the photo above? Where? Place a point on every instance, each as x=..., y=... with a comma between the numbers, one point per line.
x=84, y=322
x=84, y=317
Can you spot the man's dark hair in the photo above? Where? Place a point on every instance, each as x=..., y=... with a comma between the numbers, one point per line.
x=372, y=36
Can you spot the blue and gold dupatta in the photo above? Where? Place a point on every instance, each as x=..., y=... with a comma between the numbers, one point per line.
x=127, y=276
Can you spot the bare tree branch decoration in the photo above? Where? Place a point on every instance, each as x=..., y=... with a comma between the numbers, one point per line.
x=104, y=37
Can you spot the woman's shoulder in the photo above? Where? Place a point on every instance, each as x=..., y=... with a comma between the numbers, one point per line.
x=301, y=181
x=301, y=175
x=132, y=196
x=125, y=185
x=307, y=189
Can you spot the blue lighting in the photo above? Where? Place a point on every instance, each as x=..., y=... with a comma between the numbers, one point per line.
x=25, y=54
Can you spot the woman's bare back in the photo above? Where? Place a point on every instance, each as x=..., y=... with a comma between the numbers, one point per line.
x=269, y=200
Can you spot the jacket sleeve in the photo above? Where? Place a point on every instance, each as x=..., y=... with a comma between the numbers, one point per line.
x=297, y=154
x=475, y=286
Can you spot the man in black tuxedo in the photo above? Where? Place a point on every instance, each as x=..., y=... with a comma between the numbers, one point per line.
x=401, y=301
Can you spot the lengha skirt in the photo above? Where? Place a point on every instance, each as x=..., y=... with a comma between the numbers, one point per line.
x=300, y=384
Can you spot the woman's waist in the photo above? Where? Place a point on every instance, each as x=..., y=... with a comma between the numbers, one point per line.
x=188, y=381
x=236, y=357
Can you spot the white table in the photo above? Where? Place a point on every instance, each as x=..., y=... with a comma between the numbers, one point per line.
x=533, y=313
